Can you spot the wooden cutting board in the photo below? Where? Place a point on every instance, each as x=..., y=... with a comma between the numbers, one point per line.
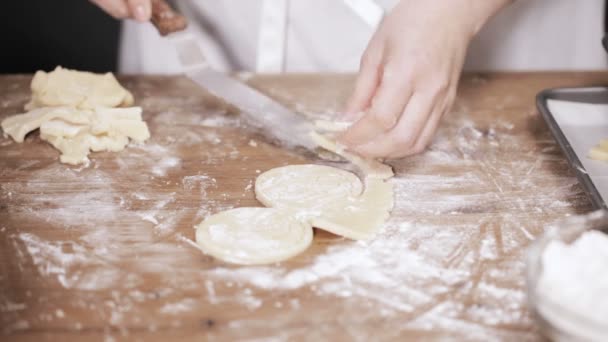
x=106, y=251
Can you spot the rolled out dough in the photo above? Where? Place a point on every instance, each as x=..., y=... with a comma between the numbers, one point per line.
x=314, y=195
x=311, y=188
x=83, y=90
x=251, y=236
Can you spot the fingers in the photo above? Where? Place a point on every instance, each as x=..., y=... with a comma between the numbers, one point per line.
x=425, y=136
x=387, y=106
x=366, y=84
x=116, y=8
x=403, y=137
x=141, y=10
x=430, y=127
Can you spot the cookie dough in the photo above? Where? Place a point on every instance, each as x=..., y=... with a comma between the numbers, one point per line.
x=306, y=188
x=76, y=132
x=313, y=195
x=82, y=90
x=73, y=111
x=600, y=151
x=328, y=198
x=252, y=236
x=370, y=167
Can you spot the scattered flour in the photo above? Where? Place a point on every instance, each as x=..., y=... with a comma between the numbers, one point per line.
x=164, y=164
x=185, y=305
x=129, y=251
x=572, y=289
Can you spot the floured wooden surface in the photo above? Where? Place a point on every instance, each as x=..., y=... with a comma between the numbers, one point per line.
x=106, y=251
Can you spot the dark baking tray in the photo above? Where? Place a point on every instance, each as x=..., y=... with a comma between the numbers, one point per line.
x=595, y=95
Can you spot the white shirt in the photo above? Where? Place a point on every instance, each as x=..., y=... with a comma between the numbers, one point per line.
x=329, y=36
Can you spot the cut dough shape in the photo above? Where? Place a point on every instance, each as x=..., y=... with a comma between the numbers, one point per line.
x=328, y=198
x=253, y=236
x=307, y=189
x=75, y=132
x=313, y=195
x=359, y=218
x=83, y=90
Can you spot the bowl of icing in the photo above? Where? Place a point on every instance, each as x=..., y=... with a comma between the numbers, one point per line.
x=567, y=279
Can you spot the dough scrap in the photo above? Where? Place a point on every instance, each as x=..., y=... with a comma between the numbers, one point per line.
x=83, y=90
x=370, y=167
x=73, y=111
x=600, y=151
x=18, y=126
x=75, y=132
x=328, y=198
x=253, y=236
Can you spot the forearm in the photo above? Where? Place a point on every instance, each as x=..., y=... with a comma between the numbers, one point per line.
x=482, y=10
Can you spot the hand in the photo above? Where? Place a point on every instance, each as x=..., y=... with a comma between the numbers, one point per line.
x=140, y=10
x=409, y=74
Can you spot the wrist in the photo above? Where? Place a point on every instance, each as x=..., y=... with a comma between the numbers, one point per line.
x=480, y=11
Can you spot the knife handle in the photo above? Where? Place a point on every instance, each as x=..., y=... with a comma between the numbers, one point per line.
x=165, y=19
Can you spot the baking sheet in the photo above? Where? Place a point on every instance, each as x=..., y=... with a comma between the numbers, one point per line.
x=578, y=119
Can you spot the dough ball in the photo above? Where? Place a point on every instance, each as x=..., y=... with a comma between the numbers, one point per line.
x=252, y=236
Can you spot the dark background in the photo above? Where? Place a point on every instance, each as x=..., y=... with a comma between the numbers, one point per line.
x=41, y=34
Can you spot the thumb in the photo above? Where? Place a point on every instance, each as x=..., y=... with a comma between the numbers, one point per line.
x=141, y=10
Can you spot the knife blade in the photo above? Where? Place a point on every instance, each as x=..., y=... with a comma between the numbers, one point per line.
x=276, y=120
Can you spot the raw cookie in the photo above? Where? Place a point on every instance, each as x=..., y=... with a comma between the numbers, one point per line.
x=314, y=195
x=309, y=189
x=83, y=90
x=359, y=218
x=252, y=236
x=328, y=198
x=363, y=219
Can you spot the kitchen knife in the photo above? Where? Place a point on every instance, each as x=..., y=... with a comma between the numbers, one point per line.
x=259, y=110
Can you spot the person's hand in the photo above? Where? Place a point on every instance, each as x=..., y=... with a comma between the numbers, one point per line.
x=140, y=10
x=409, y=74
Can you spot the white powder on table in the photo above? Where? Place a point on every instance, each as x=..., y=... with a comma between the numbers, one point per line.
x=421, y=276
x=573, y=287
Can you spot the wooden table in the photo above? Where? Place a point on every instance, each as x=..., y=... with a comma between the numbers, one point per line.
x=106, y=252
